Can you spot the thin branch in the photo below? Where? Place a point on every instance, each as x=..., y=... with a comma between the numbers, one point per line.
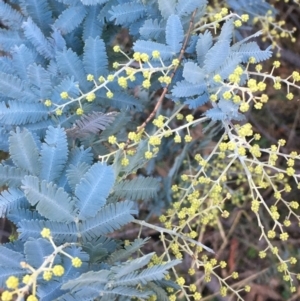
x=173, y=233
x=165, y=90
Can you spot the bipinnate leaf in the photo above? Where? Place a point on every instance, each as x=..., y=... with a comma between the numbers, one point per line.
x=193, y=73
x=216, y=55
x=23, y=151
x=174, y=33
x=95, y=59
x=51, y=202
x=156, y=272
x=166, y=8
x=110, y=218
x=91, y=123
x=10, y=258
x=54, y=153
x=36, y=251
x=93, y=189
x=137, y=188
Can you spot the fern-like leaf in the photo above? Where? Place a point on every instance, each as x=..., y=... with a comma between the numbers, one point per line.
x=153, y=273
x=9, y=38
x=11, y=176
x=128, y=250
x=41, y=79
x=117, y=126
x=251, y=49
x=95, y=59
x=37, y=250
x=159, y=291
x=87, y=279
x=167, y=8
x=204, y=43
x=27, y=159
x=76, y=173
x=93, y=189
x=50, y=291
x=54, y=154
x=199, y=101
x=70, y=65
x=10, y=258
x=61, y=232
x=91, y=123
x=216, y=55
x=11, y=86
x=93, y=2
x=92, y=26
x=110, y=218
x=174, y=33
x=139, y=188
x=126, y=12
x=229, y=65
x=49, y=199
x=99, y=249
x=186, y=89
x=151, y=29
x=186, y=7
x=10, y=198
x=9, y=16
x=193, y=73
x=70, y=18
x=79, y=154
x=40, y=13
x=132, y=265
x=127, y=292
x=227, y=31
x=22, y=57
x=16, y=113
x=34, y=34
x=17, y=214
x=215, y=114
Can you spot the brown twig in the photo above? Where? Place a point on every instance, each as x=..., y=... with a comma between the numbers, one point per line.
x=165, y=90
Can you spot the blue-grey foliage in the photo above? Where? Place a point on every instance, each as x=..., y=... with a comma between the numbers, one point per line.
x=52, y=180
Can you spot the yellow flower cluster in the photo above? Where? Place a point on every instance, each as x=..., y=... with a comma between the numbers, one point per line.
x=245, y=130
x=91, y=96
x=48, y=103
x=76, y=262
x=64, y=95
x=159, y=121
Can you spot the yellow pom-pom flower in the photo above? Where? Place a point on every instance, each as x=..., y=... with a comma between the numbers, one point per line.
x=6, y=296
x=32, y=298
x=91, y=96
x=64, y=95
x=58, y=270
x=46, y=233
x=117, y=48
x=109, y=94
x=47, y=275
x=146, y=84
x=122, y=82
x=112, y=139
x=79, y=111
x=90, y=77
x=58, y=112
x=76, y=262
x=48, y=103
x=12, y=282
x=155, y=54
